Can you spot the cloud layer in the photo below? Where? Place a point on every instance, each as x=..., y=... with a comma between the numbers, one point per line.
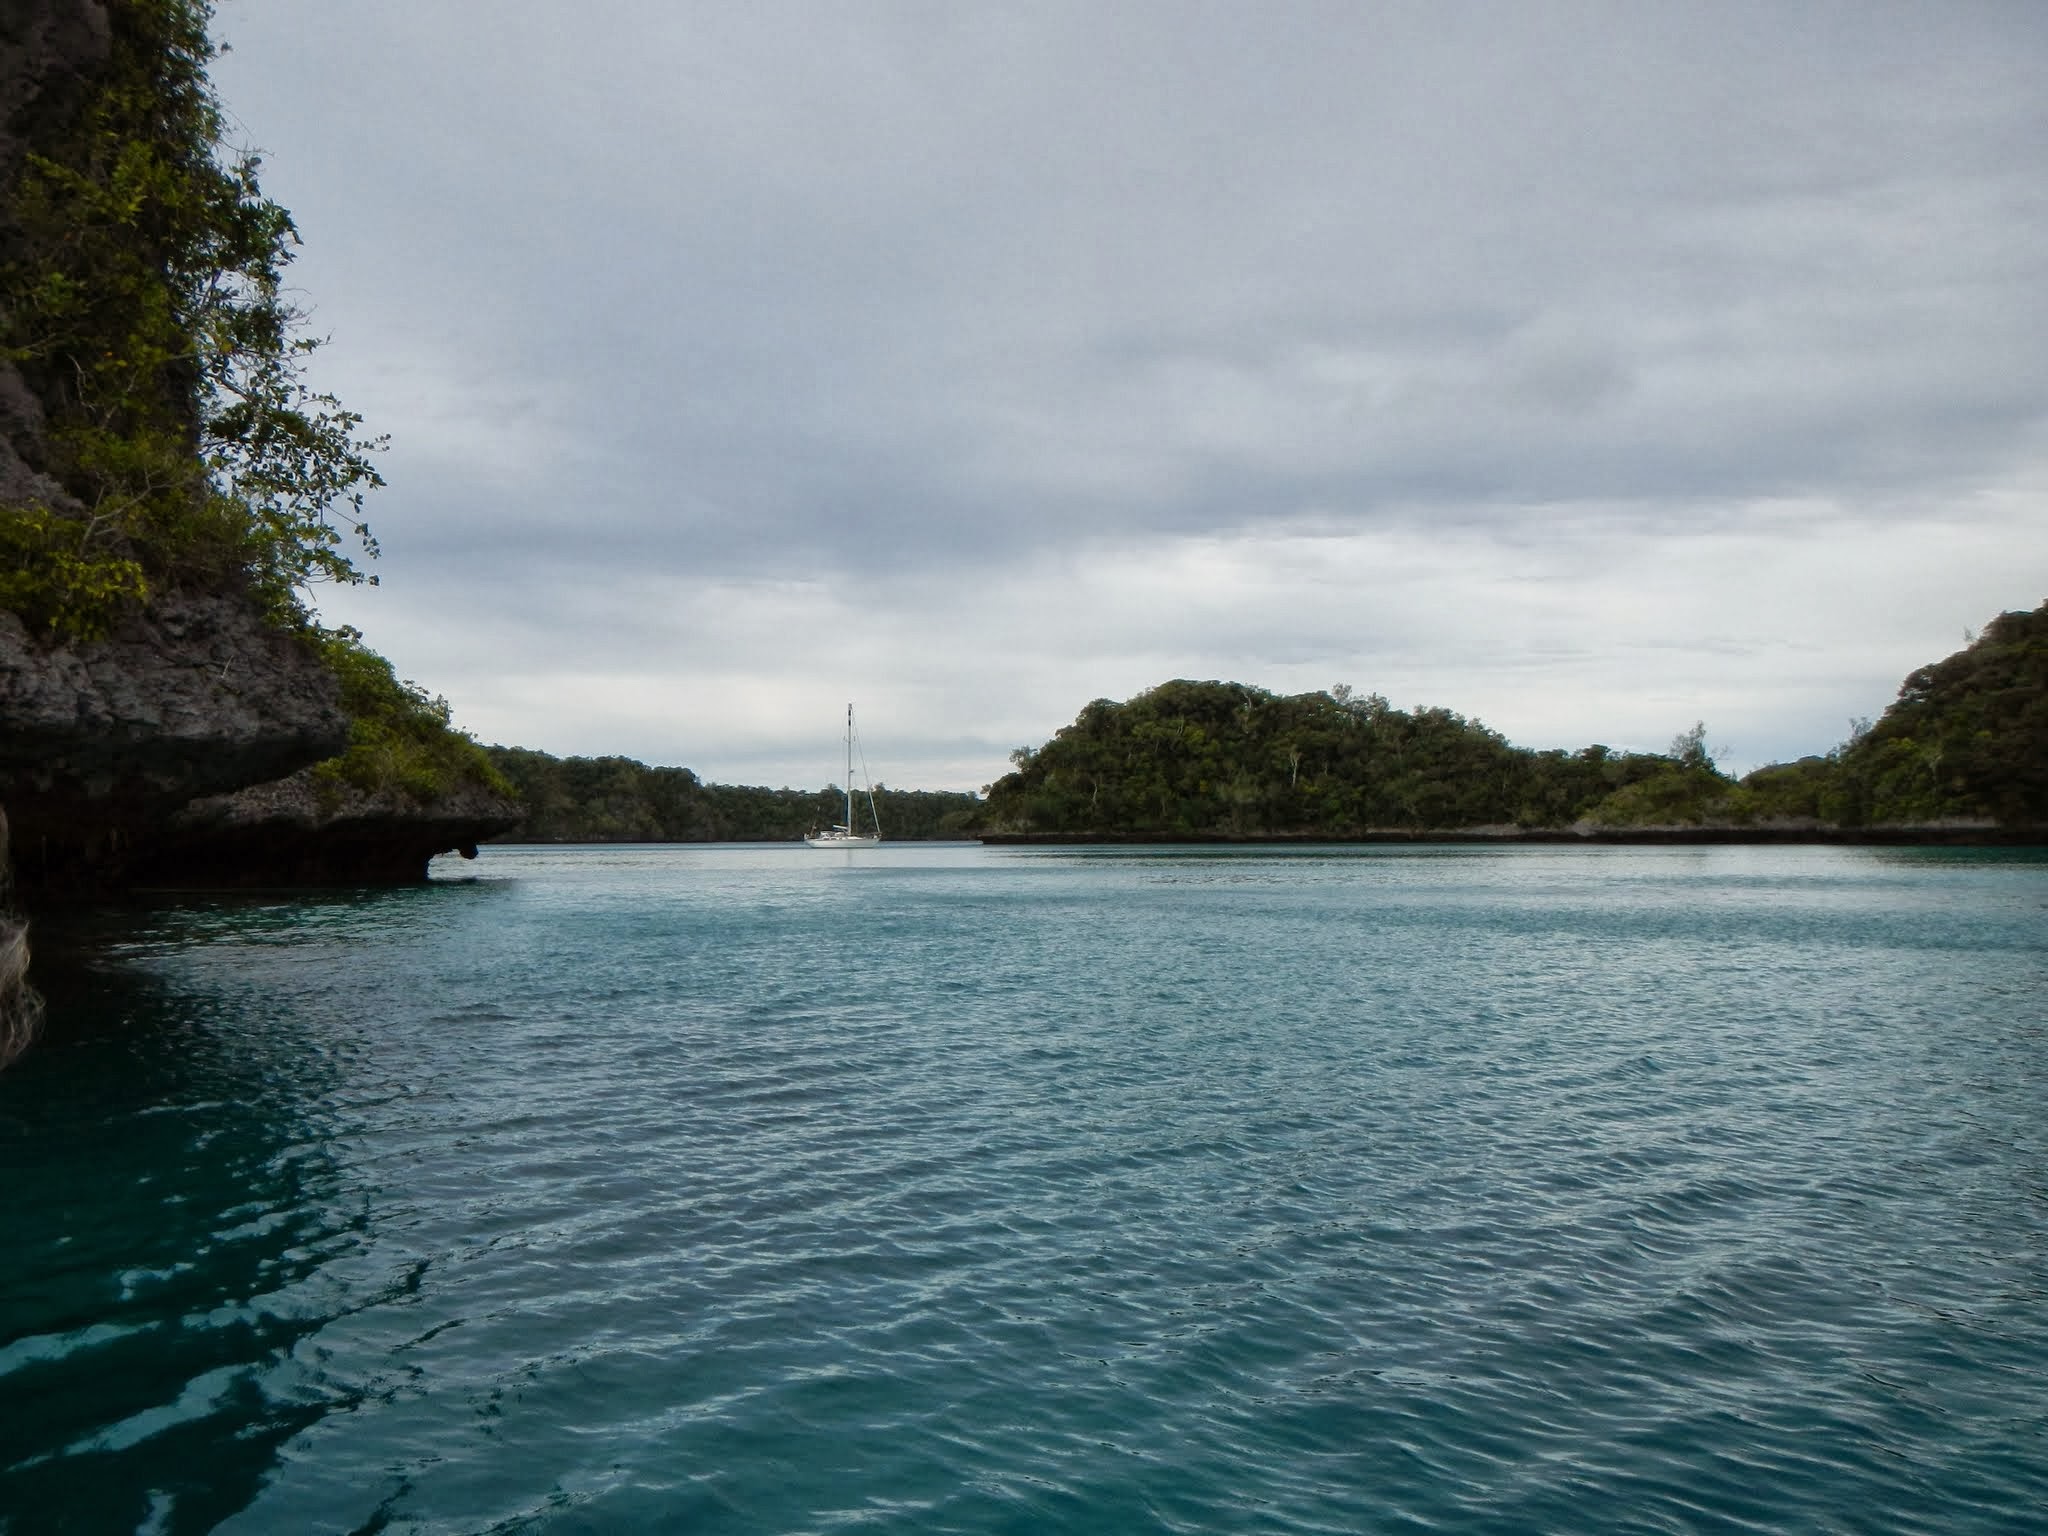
x=1586, y=368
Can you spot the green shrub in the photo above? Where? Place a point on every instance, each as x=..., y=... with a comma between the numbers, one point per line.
x=60, y=584
x=400, y=738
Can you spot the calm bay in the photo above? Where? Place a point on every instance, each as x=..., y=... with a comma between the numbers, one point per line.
x=943, y=1188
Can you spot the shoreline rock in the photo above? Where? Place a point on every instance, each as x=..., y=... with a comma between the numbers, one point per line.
x=308, y=830
x=104, y=741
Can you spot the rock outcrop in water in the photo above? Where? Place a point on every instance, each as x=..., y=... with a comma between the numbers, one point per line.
x=101, y=742
x=310, y=829
x=179, y=752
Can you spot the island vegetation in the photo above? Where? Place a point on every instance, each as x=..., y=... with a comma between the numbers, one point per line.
x=1964, y=749
x=1965, y=745
x=177, y=444
x=142, y=298
x=618, y=800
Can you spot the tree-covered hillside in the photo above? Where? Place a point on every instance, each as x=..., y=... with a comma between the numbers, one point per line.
x=617, y=800
x=1224, y=759
x=1967, y=739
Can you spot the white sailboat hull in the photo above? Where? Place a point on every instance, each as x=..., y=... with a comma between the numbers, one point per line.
x=838, y=839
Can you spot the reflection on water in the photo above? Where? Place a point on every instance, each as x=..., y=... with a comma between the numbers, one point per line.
x=177, y=1221
x=178, y=1199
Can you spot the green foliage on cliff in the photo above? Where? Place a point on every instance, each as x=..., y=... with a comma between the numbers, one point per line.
x=1967, y=736
x=53, y=575
x=1787, y=794
x=141, y=296
x=1683, y=788
x=400, y=738
x=1678, y=794
x=614, y=799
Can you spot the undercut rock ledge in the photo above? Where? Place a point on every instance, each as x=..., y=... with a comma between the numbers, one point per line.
x=308, y=830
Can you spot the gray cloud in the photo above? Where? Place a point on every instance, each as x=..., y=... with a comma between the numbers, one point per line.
x=708, y=298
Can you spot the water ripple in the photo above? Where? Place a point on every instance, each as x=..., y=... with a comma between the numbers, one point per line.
x=731, y=1190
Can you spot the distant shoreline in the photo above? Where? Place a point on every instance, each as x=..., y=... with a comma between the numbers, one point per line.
x=1889, y=836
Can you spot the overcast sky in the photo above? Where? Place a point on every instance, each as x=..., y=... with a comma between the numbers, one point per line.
x=1589, y=369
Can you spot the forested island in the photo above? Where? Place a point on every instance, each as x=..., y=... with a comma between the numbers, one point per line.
x=1962, y=752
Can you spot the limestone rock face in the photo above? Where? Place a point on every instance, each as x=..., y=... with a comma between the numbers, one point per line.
x=306, y=830
x=104, y=745
x=100, y=742
x=50, y=52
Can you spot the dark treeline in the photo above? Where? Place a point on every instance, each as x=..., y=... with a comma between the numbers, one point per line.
x=1967, y=740
x=617, y=800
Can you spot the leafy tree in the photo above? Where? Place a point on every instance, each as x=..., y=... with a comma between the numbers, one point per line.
x=400, y=737
x=1689, y=747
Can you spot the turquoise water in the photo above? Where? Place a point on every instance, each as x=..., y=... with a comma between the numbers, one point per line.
x=952, y=1189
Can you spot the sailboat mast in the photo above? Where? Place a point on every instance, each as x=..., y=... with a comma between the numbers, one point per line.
x=849, y=767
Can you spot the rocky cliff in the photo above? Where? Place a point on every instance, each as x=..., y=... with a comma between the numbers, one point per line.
x=101, y=742
x=178, y=752
x=106, y=741
x=310, y=829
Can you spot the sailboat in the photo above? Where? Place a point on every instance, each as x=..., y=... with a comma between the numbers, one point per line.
x=843, y=835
